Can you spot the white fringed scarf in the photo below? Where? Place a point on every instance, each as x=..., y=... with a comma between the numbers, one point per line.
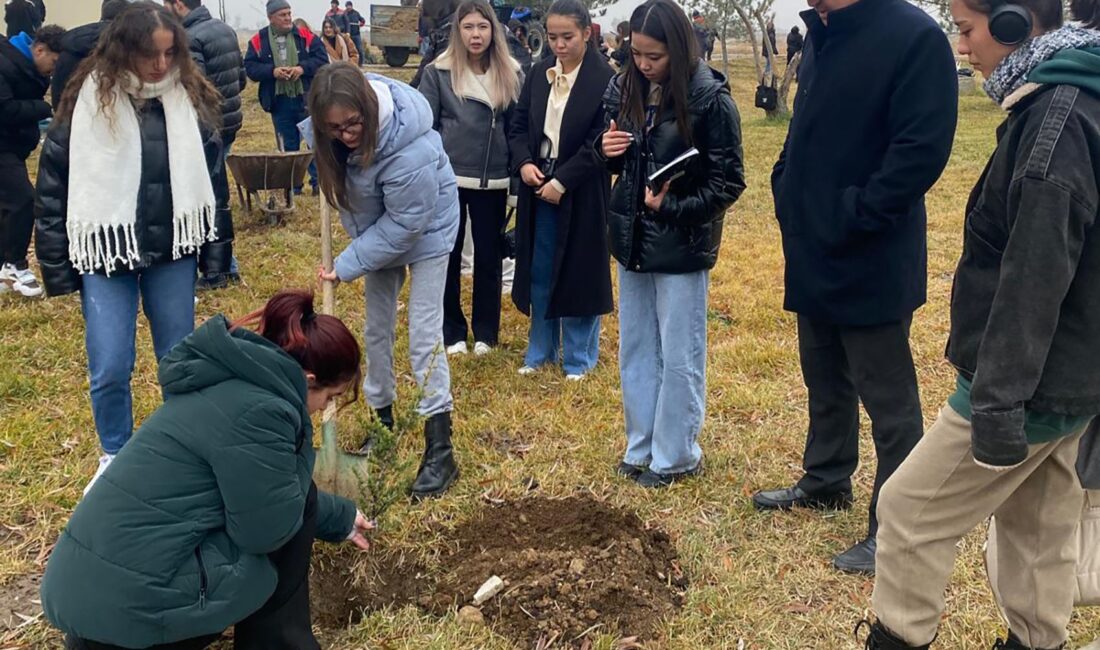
x=105, y=175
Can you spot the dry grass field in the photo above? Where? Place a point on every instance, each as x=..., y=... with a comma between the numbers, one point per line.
x=759, y=581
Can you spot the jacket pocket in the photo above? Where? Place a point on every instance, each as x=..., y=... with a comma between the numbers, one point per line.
x=977, y=226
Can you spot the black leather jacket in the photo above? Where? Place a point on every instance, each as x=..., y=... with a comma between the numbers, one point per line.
x=217, y=52
x=154, y=206
x=1025, y=305
x=21, y=101
x=684, y=236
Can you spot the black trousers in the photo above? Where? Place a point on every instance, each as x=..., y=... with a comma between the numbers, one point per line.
x=841, y=367
x=283, y=623
x=220, y=181
x=16, y=210
x=487, y=210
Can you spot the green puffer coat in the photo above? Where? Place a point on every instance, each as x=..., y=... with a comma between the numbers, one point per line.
x=171, y=542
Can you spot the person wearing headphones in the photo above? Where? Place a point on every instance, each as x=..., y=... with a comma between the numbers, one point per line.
x=1025, y=335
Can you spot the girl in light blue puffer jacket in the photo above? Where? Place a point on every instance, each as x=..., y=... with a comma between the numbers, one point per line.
x=384, y=168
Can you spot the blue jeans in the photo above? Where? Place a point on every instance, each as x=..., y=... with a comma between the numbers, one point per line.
x=663, y=366
x=110, y=305
x=579, y=337
x=286, y=113
x=357, y=38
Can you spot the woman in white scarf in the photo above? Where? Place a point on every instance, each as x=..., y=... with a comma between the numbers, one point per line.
x=126, y=210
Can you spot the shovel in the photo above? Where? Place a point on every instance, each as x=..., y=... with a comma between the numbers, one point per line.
x=336, y=471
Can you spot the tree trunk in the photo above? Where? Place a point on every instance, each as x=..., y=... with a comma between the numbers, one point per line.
x=725, y=52
x=752, y=39
x=781, y=107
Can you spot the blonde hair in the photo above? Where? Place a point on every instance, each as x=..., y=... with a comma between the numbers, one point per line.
x=502, y=71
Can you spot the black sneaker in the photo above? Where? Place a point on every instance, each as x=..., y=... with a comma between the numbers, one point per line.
x=215, y=281
x=629, y=471
x=651, y=479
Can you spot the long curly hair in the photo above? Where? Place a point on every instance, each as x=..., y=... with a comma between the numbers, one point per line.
x=127, y=37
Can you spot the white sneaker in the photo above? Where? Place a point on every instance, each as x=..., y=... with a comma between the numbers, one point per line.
x=21, y=281
x=104, y=462
x=574, y=377
x=481, y=349
x=457, y=348
x=526, y=370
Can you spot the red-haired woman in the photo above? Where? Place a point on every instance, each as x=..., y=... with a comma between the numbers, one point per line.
x=206, y=519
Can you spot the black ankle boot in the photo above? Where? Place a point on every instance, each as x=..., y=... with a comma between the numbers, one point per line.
x=882, y=639
x=1014, y=644
x=385, y=416
x=438, y=469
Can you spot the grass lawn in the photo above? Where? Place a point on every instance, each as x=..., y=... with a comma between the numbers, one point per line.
x=760, y=580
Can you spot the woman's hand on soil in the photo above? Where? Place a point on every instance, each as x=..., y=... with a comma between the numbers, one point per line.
x=359, y=531
x=531, y=175
x=329, y=276
x=616, y=142
x=549, y=193
x=654, y=201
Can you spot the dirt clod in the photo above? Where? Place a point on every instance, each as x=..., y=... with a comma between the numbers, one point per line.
x=472, y=616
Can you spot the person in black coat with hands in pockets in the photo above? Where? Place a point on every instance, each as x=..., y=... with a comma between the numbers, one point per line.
x=872, y=131
x=563, y=279
x=666, y=239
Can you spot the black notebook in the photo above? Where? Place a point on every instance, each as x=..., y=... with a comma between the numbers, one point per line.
x=672, y=170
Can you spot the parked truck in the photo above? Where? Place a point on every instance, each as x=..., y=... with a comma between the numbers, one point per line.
x=393, y=29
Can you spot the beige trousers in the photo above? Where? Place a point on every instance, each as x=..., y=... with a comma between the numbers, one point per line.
x=940, y=494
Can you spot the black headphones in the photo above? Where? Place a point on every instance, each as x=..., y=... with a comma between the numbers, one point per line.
x=1009, y=23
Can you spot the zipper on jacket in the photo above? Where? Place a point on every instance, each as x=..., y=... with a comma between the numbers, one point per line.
x=488, y=151
x=203, y=580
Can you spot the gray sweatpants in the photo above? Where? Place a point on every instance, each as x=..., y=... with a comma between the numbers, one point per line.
x=426, y=354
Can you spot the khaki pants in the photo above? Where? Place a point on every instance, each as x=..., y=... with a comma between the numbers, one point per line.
x=940, y=494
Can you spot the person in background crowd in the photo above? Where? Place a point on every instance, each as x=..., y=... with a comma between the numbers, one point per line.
x=217, y=54
x=284, y=59
x=338, y=46
x=337, y=15
x=700, y=29
x=25, y=67
x=127, y=228
x=356, y=22
x=472, y=89
x=1025, y=334
x=78, y=45
x=384, y=167
x=219, y=482
x=437, y=39
x=850, y=203
x=664, y=102
x=516, y=35
x=563, y=280
x=794, y=43
x=21, y=16
x=622, y=52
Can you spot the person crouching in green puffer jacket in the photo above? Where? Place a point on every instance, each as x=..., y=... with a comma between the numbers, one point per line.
x=206, y=519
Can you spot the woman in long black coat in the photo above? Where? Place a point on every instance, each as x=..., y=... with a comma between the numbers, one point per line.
x=564, y=284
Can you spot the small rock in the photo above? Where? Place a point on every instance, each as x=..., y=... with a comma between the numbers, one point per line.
x=636, y=546
x=472, y=616
x=565, y=589
x=491, y=588
x=577, y=566
x=592, y=614
x=523, y=518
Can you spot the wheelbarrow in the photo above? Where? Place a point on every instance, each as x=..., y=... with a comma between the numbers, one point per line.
x=265, y=178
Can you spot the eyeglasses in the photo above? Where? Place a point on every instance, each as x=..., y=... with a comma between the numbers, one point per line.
x=354, y=124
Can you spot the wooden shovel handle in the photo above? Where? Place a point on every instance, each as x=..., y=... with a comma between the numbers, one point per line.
x=328, y=297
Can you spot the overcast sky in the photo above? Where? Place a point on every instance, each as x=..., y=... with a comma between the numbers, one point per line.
x=250, y=13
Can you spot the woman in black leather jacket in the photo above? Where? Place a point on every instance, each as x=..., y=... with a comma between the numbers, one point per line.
x=664, y=103
x=125, y=208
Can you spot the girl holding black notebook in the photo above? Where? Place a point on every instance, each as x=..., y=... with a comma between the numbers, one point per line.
x=665, y=102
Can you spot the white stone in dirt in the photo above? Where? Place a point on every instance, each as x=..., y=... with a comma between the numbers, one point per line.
x=471, y=616
x=491, y=588
x=577, y=566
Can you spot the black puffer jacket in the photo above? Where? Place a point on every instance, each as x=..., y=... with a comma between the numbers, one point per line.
x=154, y=205
x=76, y=45
x=217, y=52
x=21, y=101
x=685, y=234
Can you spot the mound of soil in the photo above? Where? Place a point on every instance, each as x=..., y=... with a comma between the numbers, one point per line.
x=570, y=567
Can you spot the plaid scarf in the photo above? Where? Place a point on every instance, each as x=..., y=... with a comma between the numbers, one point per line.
x=1014, y=70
